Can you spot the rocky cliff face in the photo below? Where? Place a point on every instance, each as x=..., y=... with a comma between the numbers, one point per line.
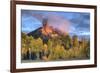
x=46, y=32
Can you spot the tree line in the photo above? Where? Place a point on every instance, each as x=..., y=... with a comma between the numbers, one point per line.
x=58, y=48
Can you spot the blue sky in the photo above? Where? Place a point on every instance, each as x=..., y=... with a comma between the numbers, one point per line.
x=74, y=23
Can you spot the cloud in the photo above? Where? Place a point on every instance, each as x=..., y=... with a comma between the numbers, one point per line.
x=54, y=20
x=82, y=20
x=58, y=22
x=71, y=22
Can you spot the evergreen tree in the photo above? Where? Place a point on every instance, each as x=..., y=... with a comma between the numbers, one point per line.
x=75, y=41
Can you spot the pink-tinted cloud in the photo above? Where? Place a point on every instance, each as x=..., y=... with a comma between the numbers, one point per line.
x=54, y=20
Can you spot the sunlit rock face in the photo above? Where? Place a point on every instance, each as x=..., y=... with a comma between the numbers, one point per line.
x=50, y=30
x=46, y=32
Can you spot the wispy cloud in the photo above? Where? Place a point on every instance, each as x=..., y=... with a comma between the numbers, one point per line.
x=71, y=22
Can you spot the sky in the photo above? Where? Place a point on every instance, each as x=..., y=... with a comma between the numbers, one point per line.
x=74, y=23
